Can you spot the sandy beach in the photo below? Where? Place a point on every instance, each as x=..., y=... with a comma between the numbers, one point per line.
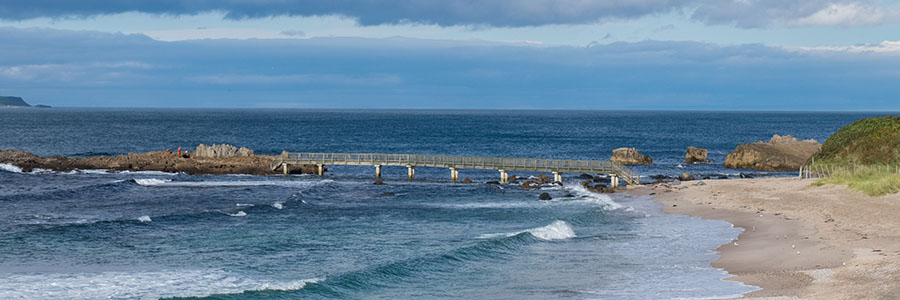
x=799, y=241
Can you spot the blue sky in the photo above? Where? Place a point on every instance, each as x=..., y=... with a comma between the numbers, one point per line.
x=490, y=54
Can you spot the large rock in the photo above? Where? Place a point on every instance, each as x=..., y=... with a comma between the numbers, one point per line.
x=695, y=155
x=630, y=156
x=781, y=153
x=165, y=161
x=220, y=151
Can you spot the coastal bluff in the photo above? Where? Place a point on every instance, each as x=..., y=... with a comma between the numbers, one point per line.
x=780, y=153
x=241, y=161
x=9, y=101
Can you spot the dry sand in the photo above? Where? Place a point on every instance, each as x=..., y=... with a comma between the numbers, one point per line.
x=799, y=241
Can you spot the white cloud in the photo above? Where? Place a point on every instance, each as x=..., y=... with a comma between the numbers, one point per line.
x=885, y=47
x=848, y=14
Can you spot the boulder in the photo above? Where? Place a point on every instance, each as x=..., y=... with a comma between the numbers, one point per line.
x=513, y=178
x=379, y=182
x=220, y=151
x=466, y=180
x=630, y=156
x=586, y=176
x=685, y=177
x=695, y=155
x=531, y=185
x=545, y=196
x=543, y=178
x=781, y=153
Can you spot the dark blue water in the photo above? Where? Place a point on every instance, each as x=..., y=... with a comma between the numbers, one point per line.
x=91, y=234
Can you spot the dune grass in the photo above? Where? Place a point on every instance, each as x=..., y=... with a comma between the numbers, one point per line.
x=872, y=181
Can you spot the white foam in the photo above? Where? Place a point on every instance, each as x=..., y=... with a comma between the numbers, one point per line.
x=277, y=205
x=10, y=168
x=585, y=195
x=236, y=183
x=144, y=219
x=41, y=171
x=244, y=205
x=558, y=230
x=239, y=214
x=148, y=173
x=139, y=285
x=151, y=181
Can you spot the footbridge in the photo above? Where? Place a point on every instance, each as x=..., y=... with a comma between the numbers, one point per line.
x=455, y=163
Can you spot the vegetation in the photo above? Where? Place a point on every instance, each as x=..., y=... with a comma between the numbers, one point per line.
x=873, y=141
x=871, y=180
x=864, y=156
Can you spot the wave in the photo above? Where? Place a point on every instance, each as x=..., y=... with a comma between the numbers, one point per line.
x=144, y=219
x=10, y=168
x=240, y=213
x=558, y=230
x=138, y=285
x=234, y=183
x=584, y=195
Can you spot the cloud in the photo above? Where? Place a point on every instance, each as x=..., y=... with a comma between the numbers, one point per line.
x=80, y=68
x=484, y=13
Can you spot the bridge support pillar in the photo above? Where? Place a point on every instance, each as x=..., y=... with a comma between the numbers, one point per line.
x=504, y=176
x=284, y=168
x=454, y=174
x=613, y=181
x=412, y=172
x=557, y=177
x=377, y=171
x=320, y=169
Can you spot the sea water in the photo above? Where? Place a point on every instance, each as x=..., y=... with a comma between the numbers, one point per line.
x=92, y=234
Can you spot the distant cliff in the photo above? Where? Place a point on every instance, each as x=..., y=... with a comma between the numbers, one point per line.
x=13, y=102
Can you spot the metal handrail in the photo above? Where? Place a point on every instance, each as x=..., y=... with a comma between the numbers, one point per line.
x=470, y=162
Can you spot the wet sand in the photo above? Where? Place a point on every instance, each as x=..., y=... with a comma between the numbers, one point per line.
x=799, y=241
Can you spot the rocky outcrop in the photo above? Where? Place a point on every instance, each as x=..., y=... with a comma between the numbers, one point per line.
x=545, y=197
x=164, y=161
x=695, y=155
x=220, y=151
x=630, y=156
x=781, y=153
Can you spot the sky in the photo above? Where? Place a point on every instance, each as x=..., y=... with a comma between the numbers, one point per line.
x=841, y=55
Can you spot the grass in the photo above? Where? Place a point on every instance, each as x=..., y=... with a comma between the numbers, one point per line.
x=872, y=181
x=867, y=142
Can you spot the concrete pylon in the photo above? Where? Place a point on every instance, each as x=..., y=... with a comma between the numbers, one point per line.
x=504, y=176
x=613, y=180
x=321, y=169
x=377, y=171
x=284, y=168
x=557, y=177
x=411, y=172
x=454, y=174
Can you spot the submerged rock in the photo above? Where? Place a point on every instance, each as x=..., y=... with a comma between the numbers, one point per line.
x=630, y=156
x=695, y=155
x=685, y=177
x=545, y=196
x=781, y=153
x=530, y=185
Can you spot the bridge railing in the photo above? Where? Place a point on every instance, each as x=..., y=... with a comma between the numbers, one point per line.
x=477, y=162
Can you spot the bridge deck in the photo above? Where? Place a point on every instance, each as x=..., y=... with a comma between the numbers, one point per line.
x=460, y=162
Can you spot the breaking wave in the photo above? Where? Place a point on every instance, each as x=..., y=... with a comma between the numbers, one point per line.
x=558, y=230
x=10, y=168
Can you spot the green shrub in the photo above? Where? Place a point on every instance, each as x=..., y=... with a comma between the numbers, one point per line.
x=865, y=142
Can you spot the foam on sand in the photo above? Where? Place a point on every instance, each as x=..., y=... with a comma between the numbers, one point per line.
x=10, y=168
x=558, y=230
x=136, y=285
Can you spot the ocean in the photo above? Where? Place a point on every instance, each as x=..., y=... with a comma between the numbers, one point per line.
x=91, y=234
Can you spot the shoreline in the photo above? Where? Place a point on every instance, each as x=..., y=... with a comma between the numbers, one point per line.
x=799, y=241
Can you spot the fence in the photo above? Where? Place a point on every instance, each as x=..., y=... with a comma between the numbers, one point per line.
x=825, y=170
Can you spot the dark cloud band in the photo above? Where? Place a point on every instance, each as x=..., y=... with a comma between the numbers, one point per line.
x=496, y=13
